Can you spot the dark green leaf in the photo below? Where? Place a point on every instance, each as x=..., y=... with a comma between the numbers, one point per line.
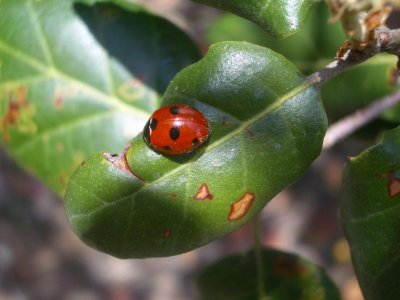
x=361, y=85
x=267, y=127
x=270, y=274
x=67, y=92
x=279, y=17
x=370, y=216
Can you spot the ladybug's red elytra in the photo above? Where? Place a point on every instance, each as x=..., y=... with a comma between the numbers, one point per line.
x=176, y=129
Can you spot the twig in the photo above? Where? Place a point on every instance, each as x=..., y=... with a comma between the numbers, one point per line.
x=385, y=40
x=353, y=122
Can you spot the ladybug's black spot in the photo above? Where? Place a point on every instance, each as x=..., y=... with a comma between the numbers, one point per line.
x=174, y=133
x=153, y=124
x=167, y=148
x=195, y=142
x=174, y=110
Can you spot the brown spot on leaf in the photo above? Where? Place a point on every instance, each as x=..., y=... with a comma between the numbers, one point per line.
x=16, y=102
x=203, y=193
x=167, y=233
x=250, y=133
x=393, y=186
x=59, y=101
x=288, y=267
x=393, y=76
x=174, y=195
x=240, y=208
x=62, y=179
x=120, y=161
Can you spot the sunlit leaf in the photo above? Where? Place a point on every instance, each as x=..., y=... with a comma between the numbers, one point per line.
x=79, y=79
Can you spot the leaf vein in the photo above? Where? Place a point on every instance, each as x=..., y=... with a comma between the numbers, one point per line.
x=64, y=127
x=52, y=72
x=374, y=214
x=41, y=36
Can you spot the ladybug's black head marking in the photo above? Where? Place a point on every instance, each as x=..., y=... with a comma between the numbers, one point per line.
x=174, y=110
x=174, y=133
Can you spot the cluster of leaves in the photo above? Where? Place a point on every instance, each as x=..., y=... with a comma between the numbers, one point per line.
x=79, y=77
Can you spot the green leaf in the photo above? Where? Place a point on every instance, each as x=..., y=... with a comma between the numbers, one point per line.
x=370, y=216
x=267, y=126
x=270, y=274
x=361, y=85
x=72, y=86
x=280, y=18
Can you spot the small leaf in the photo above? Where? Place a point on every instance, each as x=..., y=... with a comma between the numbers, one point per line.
x=63, y=96
x=270, y=274
x=279, y=17
x=370, y=216
x=267, y=126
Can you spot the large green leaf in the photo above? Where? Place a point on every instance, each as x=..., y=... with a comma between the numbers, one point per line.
x=72, y=86
x=279, y=17
x=268, y=274
x=267, y=127
x=370, y=215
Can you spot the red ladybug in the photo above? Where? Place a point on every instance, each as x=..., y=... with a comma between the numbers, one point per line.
x=176, y=129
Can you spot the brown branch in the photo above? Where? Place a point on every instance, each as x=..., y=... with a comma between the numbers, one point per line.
x=385, y=40
x=353, y=122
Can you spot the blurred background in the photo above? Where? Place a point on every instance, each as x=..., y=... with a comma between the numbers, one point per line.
x=40, y=258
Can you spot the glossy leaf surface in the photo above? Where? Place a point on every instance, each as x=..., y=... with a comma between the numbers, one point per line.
x=267, y=126
x=279, y=17
x=271, y=274
x=370, y=215
x=79, y=79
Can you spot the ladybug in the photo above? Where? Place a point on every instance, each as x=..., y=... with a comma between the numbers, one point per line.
x=176, y=129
